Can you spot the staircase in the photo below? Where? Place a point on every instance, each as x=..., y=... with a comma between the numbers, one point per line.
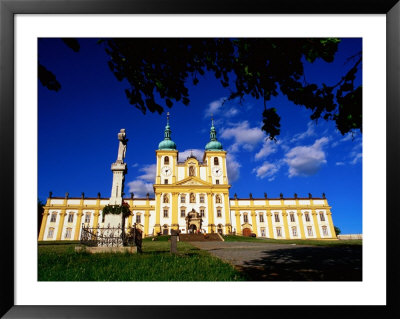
x=200, y=237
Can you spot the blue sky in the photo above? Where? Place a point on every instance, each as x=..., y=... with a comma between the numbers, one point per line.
x=78, y=129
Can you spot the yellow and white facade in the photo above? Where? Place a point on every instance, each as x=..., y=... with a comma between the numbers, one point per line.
x=199, y=185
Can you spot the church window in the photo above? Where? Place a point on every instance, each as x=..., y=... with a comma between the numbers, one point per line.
x=138, y=219
x=165, y=213
x=309, y=231
x=294, y=231
x=191, y=171
x=202, y=199
x=50, y=233
x=166, y=160
x=87, y=218
x=219, y=213
x=292, y=218
x=53, y=217
x=202, y=212
x=217, y=181
x=68, y=233
x=165, y=198
x=183, y=199
x=324, y=230
x=307, y=217
x=276, y=216
x=216, y=162
x=165, y=181
x=278, y=232
x=183, y=213
x=262, y=232
x=322, y=217
x=218, y=199
x=70, y=217
x=245, y=218
x=261, y=217
x=192, y=198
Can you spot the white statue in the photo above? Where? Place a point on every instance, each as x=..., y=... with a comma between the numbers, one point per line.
x=123, y=141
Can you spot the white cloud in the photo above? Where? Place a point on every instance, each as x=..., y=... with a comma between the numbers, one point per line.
x=356, y=154
x=243, y=135
x=144, y=183
x=268, y=147
x=267, y=170
x=149, y=173
x=347, y=137
x=214, y=107
x=339, y=163
x=310, y=132
x=357, y=158
x=140, y=188
x=135, y=165
x=182, y=156
x=306, y=160
x=232, y=167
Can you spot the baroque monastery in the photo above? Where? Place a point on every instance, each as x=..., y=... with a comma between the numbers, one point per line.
x=190, y=196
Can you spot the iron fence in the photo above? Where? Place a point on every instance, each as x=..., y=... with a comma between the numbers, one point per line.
x=111, y=236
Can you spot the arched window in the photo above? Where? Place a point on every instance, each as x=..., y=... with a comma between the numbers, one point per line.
x=53, y=217
x=166, y=160
x=324, y=231
x=245, y=218
x=321, y=216
x=294, y=231
x=50, y=233
x=218, y=199
x=165, y=198
x=183, y=198
x=292, y=217
x=87, y=218
x=68, y=233
x=216, y=162
x=70, y=217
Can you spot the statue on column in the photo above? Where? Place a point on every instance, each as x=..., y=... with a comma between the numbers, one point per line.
x=123, y=141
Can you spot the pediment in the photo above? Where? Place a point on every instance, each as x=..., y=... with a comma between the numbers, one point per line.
x=192, y=180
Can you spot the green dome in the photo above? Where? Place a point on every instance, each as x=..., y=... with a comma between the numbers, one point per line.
x=213, y=144
x=167, y=143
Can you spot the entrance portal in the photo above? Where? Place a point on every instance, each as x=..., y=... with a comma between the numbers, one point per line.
x=192, y=228
x=247, y=232
x=193, y=221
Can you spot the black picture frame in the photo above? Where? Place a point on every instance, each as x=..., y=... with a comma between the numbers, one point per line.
x=8, y=10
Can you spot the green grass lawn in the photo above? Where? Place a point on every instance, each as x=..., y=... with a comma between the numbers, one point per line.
x=312, y=242
x=62, y=263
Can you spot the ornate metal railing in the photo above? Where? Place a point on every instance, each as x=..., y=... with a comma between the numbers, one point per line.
x=111, y=236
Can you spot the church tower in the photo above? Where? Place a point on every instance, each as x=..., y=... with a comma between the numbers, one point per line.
x=167, y=160
x=215, y=159
x=119, y=170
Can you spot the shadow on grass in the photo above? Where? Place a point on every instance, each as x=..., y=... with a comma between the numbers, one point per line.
x=307, y=264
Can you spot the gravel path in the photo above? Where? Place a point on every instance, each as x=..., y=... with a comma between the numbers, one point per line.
x=284, y=262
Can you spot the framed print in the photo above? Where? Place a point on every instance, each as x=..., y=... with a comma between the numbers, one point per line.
x=44, y=149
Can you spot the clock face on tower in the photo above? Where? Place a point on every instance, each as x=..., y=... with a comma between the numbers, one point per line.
x=166, y=171
x=217, y=172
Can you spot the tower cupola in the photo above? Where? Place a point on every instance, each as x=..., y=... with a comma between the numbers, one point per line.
x=167, y=143
x=213, y=144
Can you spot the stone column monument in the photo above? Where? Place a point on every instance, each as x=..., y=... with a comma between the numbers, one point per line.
x=119, y=169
